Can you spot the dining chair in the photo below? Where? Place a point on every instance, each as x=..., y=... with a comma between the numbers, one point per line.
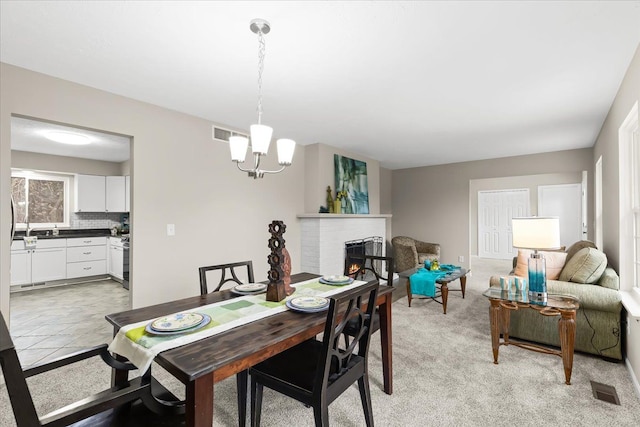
x=225, y=270
x=227, y=273
x=122, y=406
x=369, y=267
x=317, y=372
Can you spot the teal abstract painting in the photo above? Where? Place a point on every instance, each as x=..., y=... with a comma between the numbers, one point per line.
x=351, y=179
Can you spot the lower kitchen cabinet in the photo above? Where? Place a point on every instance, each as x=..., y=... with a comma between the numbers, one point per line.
x=47, y=262
x=86, y=257
x=116, y=258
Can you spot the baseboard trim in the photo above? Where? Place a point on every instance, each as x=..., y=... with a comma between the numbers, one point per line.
x=634, y=379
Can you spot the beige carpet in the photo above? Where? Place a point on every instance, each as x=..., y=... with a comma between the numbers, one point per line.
x=443, y=376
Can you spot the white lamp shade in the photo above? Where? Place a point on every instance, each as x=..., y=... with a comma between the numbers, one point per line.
x=286, y=148
x=260, y=138
x=536, y=232
x=238, y=147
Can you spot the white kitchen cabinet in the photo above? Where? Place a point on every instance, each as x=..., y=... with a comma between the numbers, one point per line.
x=47, y=262
x=116, y=258
x=20, y=267
x=86, y=256
x=115, y=194
x=90, y=193
x=127, y=193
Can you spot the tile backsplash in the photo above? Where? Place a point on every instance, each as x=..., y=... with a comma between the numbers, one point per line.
x=95, y=219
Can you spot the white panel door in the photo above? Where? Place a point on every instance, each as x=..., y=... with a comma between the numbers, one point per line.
x=565, y=202
x=495, y=210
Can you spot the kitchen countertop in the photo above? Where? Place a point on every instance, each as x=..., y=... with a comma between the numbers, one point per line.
x=67, y=233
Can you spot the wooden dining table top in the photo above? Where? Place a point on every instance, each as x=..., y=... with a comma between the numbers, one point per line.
x=237, y=349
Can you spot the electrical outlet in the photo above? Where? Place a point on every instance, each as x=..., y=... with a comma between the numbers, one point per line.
x=171, y=229
x=461, y=258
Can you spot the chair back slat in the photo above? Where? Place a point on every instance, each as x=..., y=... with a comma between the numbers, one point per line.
x=334, y=359
x=225, y=270
x=19, y=394
x=369, y=265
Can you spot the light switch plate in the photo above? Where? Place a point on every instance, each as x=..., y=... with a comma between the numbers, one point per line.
x=171, y=229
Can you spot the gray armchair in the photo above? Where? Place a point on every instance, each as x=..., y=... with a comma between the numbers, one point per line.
x=410, y=253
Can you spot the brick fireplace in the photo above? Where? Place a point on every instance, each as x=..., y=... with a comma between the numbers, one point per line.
x=324, y=237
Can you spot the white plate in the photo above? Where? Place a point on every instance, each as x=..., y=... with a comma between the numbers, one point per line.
x=336, y=283
x=309, y=302
x=206, y=320
x=176, y=322
x=251, y=287
x=336, y=279
x=306, y=310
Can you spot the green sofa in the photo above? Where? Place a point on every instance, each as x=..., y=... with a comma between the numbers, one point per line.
x=598, y=329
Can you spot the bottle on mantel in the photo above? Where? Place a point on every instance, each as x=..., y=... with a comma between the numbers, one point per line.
x=55, y=231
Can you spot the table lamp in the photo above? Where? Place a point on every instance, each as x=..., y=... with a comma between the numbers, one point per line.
x=536, y=233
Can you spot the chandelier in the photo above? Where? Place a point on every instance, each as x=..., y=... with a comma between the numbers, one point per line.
x=260, y=134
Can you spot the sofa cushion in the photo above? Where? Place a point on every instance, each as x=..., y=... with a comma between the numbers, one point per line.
x=609, y=279
x=554, y=263
x=586, y=266
x=581, y=244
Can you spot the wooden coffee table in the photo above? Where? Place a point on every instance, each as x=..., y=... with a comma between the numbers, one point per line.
x=442, y=285
x=503, y=302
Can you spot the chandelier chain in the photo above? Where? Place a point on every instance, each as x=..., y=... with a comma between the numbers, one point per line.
x=261, y=51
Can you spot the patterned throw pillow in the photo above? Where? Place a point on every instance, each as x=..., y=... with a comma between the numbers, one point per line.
x=586, y=266
x=554, y=263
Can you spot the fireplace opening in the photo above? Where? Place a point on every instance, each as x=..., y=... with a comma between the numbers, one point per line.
x=354, y=255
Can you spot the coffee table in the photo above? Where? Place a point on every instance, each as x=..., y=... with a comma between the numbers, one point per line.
x=442, y=285
x=504, y=302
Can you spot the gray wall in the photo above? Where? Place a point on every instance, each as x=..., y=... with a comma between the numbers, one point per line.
x=48, y=162
x=607, y=147
x=320, y=174
x=531, y=182
x=180, y=176
x=433, y=203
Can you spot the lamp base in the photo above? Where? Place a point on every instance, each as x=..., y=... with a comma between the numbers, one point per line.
x=537, y=278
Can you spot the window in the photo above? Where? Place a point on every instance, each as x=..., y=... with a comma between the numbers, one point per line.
x=635, y=186
x=40, y=199
x=629, y=193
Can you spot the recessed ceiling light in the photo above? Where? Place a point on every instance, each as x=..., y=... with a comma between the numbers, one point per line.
x=67, y=137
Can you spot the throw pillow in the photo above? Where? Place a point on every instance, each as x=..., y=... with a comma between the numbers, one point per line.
x=586, y=266
x=554, y=263
x=580, y=244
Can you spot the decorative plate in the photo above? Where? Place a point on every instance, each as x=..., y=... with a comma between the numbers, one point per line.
x=205, y=322
x=306, y=310
x=336, y=279
x=309, y=302
x=251, y=288
x=346, y=282
x=177, y=322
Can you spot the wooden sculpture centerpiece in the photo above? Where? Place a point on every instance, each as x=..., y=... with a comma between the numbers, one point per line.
x=280, y=261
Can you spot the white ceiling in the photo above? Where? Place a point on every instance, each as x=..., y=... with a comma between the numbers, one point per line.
x=28, y=135
x=407, y=83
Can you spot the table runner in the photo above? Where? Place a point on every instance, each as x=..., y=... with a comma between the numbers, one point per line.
x=140, y=348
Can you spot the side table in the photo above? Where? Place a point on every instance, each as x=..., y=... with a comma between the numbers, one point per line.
x=503, y=302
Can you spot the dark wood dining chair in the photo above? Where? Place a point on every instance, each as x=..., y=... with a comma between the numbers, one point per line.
x=369, y=267
x=227, y=273
x=317, y=372
x=121, y=406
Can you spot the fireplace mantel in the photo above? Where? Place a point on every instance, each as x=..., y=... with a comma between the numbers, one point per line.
x=323, y=237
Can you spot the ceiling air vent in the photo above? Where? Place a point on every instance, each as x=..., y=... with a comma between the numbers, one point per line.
x=222, y=134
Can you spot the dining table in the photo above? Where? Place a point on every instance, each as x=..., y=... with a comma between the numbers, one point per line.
x=201, y=364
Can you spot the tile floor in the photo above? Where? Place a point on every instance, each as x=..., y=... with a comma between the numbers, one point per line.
x=47, y=323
